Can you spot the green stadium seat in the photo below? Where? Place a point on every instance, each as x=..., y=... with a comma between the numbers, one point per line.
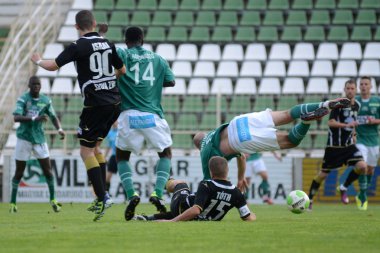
x=75, y=104
x=315, y=33
x=348, y=4
x=362, y=33
x=268, y=33
x=115, y=34
x=104, y=5
x=125, y=5
x=237, y=5
x=306, y=143
x=185, y=18
x=168, y=5
x=250, y=18
x=366, y=17
x=240, y=104
x=162, y=18
x=296, y=18
x=338, y=33
x=156, y=34
x=263, y=102
x=119, y=18
x=376, y=37
x=229, y=18
x=212, y=5
x=183, y=141
x=245, y=34
x=273, y=18
x=302, y=4
x=70, y=121
x=170, y=103
x=291, y=33
x=178, y=34
x=279, y=4
x=147, y=5
x=140, y=18
x=323, y=125
x=100, y=16
x=193, y=104
x=206, y=18
x=370, y=4
x=212, y=101
x=187, y=122
x=58, y=103
x=320, y=142
x=200, y=34
x=343, y=17
x=320, y=17
x=222, y=34
x=190, y=5
x=256, y=5
x=287, y=101
x=170, y=119
x=208, y=122
x=325, y=4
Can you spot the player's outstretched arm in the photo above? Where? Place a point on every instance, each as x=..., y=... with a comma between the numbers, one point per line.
x=189, y=214
x=241, y=164
x=50, y=65
x=250, y=217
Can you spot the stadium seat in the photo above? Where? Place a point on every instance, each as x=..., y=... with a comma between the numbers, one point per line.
x=213, y=107
x=193, y=103
x=187, y=52
x=190, y=5
x=222, y=34
x=187, y=122
x=75, y=104
x=343, y=17
x=317, y=86
x=348, y=4
x=346, y=68
x=76, y=90
x=279, y=4
x=115, y=34
x=200, y=34
x=256, y=51
x=170, y=103
x=82, y=5
x=275, y=68
x=327, y=51
x=233, y=52
x=177, y=34
x=245, y=86
x=182, y=68
x=140, y=18
x=178, y=89
x=285, y=102
x=370, y=4
x=208, y=122
x=228, y=18
x=366, y=17
x=303, y=51
x=337, y=85
x=222, y=86
x=234, y=5
x=52, y=50
x=273, y=18
x=146, y=46
x=125, y=5
x=296, y=18
x=211, y=5
x=362, y=33
x=163, y=18
x=338, y=33
x=227, y=69
x=182, y=141
x=293, y=85
x=147, y=5
x=68, y=70
x=205, y=18
x=263, y=102
x=291, y=34
x=315, y=33
x=319, y=17
x=298, y=68
x=351, y=50
x=376, y=37
x=58, y=102
x=156, y=34
x=45, y=85
x=169, y=119
x=11, y=141
x=256, y=5
x=270, y=86
x=119, y=18
x=268, y=33
x=302, y=4
x=70, y=18
x=245, y=34
x=185, y=18
x=322, y=68
x=104, y=5
x=62, y=85
x=210, y=52
x=168, y=5
x=41, y=72
x=280, y=51
x=204, y=69
x=167, y=51
x=369, y=68
x=100, y=16
x=325, y=4
x=250, y=18
x=372, y=50
x=198, y=86
x=239, y=104
x=67, y=34
x=251, y=69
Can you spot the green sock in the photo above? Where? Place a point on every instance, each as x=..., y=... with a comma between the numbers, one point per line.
x=125, y=173
x=50, y=183
x=163, y=174
x=265, y=186
x=246, y=193
x=15, y=184
x=297, y=110
x=298, y=132
x=369, y=179
x=363, y=188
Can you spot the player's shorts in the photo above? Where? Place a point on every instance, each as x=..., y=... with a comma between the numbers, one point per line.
x=370, y=154
x=181, y=199
x=112, y=164
x=24, y=149
x=95, y=123
x=253, y=132
x=135, y=128
x=335, y=157
x=254, y=167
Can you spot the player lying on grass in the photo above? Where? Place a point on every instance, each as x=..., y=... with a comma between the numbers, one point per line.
x=214, y=198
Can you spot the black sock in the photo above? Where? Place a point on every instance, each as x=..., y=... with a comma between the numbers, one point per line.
x=95, y=176
x=313, y=189
x=108, y=185
x=351, y=178
x=103, y=168
x=161, y=216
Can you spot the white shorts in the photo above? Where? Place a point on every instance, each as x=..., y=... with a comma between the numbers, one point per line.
x=253, y=132
x=24, y=149
x=370, y=154
x=135, y=127
x=254, y=167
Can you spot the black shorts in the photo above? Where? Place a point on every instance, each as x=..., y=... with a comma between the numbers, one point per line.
x=181, y=199
x=335, y=157
x=95, y=123
x=112, y=165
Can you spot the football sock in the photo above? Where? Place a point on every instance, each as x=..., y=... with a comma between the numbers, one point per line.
x=161, y=216
x=108, y=186
x=297, y=110
x=265, y=187
x=125, y=173
x=313, y=188
x=15, y=184
x=102, y=163
x=246, y=193
x=354, y=174
x=362, y=188
x=163, y=174
x=94, y=174
x=298, y=132
x=50, y=183
x=369, y=179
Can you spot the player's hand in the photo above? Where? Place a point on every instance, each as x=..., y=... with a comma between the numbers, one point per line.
x=61, y=133
x=35, y=58
x=103, y=28
x=371, y=121
x=42, y=118
x=242, y=185
x=352, y=124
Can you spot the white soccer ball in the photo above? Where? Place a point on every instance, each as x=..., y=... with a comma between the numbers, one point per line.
x=298, y=201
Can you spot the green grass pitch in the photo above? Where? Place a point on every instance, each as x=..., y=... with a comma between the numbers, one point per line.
x=329, y=228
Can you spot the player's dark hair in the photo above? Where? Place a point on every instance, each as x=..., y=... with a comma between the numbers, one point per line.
x=85, y=19
x=365, y=77
x=350, y=81
x=34, y=79
x=134, y=34
x=218, y=167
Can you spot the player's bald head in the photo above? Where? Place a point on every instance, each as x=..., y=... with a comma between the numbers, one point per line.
x=197, y=140
x=218, y=167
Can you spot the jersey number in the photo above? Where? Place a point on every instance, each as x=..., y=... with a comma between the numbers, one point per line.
x=99, y=64
x=219, y=208
x=147, y=76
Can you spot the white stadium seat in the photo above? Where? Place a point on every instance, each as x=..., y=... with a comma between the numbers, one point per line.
x=346, y=68
x=251, y=69
x=270, y=86
x=351, y=50
x=52, y=50
x=256, y=51
x=204, y=69
x=82, y=5
x=245, y=86
x=322, y=68
x=369, y=68
x=187, y=52
x=45, y=85
x=372, y=51
x=337, y=86
x=327, y=51
x=280, y=51
x=317, y=85
x=178, y=89
x=182, y=68
x=62, y=85
x=198, y=86
x=76, y=88
x=298, y=68
x=228, y=69
x=41, y=72
x=303, y=51
x=167, y=51
x=70, y=18
x=275, y=68
x=233, y=52
x=293, y=85
x=222, y=86
x=68, y=34
x=68, y=70
x=210, y=52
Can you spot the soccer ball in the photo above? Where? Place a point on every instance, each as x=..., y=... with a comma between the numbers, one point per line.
x=298, y=201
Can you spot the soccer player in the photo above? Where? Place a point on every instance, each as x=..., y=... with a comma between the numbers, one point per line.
x=142, y=118
x=341, y=148
x=95, y=59
x=255, y=132
x=32, y=110
x=256, y=165
x=367, y=138
x=213, y=200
